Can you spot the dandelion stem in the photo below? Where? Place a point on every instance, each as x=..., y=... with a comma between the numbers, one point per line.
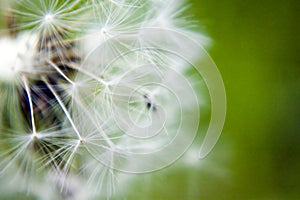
x=63, y=107
x=27, y=88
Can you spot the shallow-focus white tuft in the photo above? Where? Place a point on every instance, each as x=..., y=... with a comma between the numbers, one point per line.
x=96, y=88
x=17, y=55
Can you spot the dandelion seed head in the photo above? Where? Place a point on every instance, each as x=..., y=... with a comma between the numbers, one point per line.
x=104, y=97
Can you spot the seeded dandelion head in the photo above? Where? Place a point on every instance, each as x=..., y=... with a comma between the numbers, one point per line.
x=91, y=89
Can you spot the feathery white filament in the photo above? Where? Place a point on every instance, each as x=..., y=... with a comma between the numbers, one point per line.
x=60, y=72
x=63, y=107
x=28, y=92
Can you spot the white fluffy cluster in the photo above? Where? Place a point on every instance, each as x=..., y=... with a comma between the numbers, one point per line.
x=17, y=54
x=132, y=109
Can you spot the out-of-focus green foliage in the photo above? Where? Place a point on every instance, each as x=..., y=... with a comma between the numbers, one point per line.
x=256, y=48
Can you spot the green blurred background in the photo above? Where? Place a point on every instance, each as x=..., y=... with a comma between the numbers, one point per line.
x=256, y=46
